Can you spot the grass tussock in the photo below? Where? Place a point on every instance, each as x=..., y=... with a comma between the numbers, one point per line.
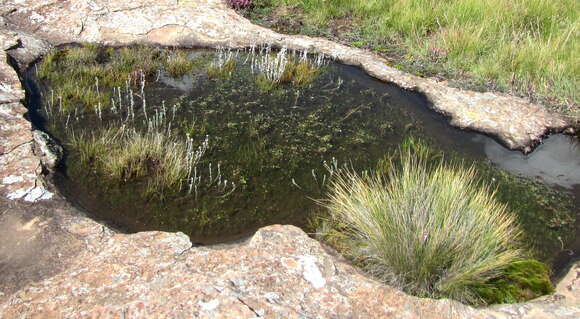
x=222, y=71
x=299, y=73
x=161, y=161
x=528, y=47
x=431, y=230
x=179, y=64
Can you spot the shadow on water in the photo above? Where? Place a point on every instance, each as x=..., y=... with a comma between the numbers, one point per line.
x=276, y=145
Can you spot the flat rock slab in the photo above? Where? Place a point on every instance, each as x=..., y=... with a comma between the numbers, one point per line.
x=517, y=123
x=278, y=273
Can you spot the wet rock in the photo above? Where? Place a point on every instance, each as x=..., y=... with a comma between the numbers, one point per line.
x=48, y=150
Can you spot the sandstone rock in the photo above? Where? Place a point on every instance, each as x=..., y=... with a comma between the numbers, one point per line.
x=19, y=167
x=278, y=273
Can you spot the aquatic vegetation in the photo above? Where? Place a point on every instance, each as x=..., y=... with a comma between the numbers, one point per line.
x=272, y=67
x=77, y=75
x=433, y=232
x=178, y=64
x=269, y=152
x=122, y=155
x=286, y=69
x=300, y=73
x=522, y=280
x=264, y=84
x=222, y=70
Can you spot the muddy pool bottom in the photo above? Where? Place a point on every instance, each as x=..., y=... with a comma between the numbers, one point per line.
x=249, y=152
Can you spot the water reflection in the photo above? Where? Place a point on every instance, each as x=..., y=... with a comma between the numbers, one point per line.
x=556, y=161
x=184, y=83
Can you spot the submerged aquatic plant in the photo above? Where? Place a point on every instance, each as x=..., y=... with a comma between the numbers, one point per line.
x=431, y=231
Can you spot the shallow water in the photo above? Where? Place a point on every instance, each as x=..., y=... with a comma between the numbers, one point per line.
x=556, y=161
x=276, y=147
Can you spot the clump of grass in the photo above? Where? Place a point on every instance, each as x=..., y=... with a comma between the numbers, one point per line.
x=81, y=56
x=433, y=231
x=264, y=84
x=179, y=64
x=73, y=96
x=284, y=70
x=50, y=64
x=161, y=160
x=222, y=70
x=129, y=61
x=300, y=73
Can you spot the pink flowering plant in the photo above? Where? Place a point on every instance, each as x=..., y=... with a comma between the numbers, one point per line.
x=239, y=3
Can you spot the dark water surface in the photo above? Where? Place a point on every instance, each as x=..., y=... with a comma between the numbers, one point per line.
x=277, y=147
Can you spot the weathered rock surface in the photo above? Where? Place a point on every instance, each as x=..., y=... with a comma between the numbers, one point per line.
x=278, y=273
x=56, y=264
x=516, y=122
x=19, y=166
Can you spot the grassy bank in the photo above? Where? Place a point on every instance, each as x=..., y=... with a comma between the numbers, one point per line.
x=525, y=47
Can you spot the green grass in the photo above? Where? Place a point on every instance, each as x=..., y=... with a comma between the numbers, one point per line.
x=522, y=280
x=178, y=64
x=158, y=159
x=299, y=73
x=223, y=71
x=431, y=229
x=523, y=46
x=74, y=72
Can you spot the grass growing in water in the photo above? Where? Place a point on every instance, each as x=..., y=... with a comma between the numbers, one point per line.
x=527, y=46
x=222, y=70
x=163, y=161
x=78, y=74
x=178, y=64
x=297, y=72
x=432, y=230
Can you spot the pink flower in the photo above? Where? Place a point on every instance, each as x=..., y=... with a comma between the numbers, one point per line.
x=239, y=3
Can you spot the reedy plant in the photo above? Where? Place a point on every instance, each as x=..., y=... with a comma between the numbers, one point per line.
x=164, y=161
x=179, y=64
x=432, y=231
